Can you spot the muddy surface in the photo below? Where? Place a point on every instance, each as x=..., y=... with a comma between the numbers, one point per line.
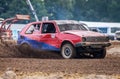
x=49, y=62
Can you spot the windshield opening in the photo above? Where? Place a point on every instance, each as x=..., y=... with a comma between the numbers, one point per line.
x=66, y=27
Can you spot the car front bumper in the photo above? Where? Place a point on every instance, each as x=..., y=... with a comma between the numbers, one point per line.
x=93, y=44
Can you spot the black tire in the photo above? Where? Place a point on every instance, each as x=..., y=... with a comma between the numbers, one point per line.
x=68, y=51
x=25, y=49
x=100, y=54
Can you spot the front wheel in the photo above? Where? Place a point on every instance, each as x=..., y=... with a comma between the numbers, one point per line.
x=68, y=51
x=100, y=54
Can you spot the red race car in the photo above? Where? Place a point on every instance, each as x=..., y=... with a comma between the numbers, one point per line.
x=69, y=37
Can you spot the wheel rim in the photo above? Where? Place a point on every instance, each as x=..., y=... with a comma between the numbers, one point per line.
x=67, y=51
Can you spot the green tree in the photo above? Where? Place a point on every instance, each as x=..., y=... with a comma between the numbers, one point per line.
x=89, y=10
x=39, y=6
x=11, y=8
x=60, y=9
x=114, y=11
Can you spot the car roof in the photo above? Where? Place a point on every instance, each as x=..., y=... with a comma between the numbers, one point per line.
x=66, y=22
x=60, y=21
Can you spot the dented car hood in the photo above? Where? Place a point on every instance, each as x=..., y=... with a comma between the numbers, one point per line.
x=84, y=33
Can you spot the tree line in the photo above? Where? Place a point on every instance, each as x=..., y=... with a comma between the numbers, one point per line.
x=86, y=10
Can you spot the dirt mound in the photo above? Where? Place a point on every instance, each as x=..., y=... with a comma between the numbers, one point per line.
x=10, y=50
x=115, y=42
x=113, y=50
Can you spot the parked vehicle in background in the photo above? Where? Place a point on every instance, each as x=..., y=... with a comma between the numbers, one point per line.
x=69, y=37
x=117, y=35
x=104, y=27
x=96, y=30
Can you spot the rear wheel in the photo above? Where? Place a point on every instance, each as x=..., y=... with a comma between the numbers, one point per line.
x=25, y=49
x=100, y=54
x=68, y=51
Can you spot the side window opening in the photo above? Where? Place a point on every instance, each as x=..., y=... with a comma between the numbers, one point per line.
x=48, y=28
x=33, y=28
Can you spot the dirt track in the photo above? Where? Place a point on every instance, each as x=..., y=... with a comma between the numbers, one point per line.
x=83, y=66
x=48, y=63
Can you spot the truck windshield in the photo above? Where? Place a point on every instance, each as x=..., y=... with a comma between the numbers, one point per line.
x=66, y=27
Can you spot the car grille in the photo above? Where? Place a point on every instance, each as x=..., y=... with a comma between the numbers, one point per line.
x=97, y=39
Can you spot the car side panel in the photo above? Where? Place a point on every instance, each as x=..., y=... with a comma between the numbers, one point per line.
x=40, y=45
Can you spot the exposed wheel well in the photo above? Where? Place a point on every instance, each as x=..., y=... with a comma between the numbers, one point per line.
x=64, y=42
x=25, y=43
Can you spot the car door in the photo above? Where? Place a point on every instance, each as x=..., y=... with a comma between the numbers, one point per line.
x=32, y=35
x=48, y=36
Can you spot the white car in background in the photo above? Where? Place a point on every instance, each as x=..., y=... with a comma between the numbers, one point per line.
x=117, y=35
x=108, y=28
